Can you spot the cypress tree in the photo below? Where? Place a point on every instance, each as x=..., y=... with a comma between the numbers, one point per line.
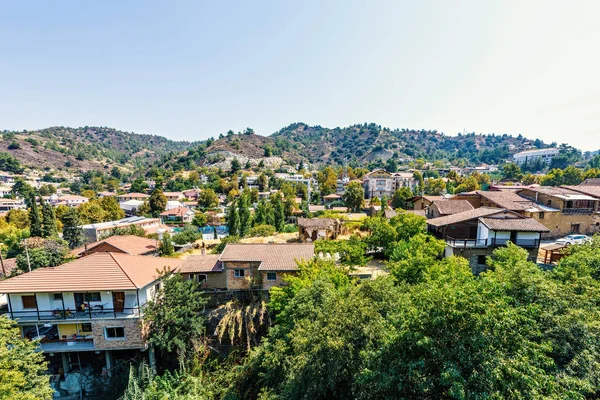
x=49, y=220
x=35, y=220
x=244, y=214
x=279, y=209
x=233, y=220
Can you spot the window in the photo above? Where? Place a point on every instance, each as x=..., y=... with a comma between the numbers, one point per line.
x=114, y=332
x=156, y=288
x=93, y=296
x=541, y=215
x=29, y=301
x=201, y=278
x=87, y=327
x=481, y=260
x=271, y=276
x=58, y=296
x=238, y=273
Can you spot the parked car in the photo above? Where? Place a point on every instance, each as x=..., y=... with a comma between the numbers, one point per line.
x=573, y=239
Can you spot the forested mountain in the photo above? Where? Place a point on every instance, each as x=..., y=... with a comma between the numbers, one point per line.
x=98, y=147
x=86, y=148
x=356, y=144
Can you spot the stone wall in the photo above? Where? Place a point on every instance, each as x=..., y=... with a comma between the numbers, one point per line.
x=251, y=276
x=133, y=334
x=277, y=282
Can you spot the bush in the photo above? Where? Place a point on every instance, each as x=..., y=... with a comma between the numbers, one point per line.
x=262, y=230
x=189, y=235
x=229, y=239
x=289, y=228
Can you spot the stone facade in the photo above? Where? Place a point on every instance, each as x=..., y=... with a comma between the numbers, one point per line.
x=267, y=284
x=251, y=279
x=214, y=280
x=133, y=334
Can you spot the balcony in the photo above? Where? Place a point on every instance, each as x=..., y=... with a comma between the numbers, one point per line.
x=491, y=242
x=577, y=211
x=62, y=346
x=63, y=315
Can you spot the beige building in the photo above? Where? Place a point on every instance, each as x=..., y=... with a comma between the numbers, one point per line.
x=92, y=304
x=262, y=266
x=311, y=229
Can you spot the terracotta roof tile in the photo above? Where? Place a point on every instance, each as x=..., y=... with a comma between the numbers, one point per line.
x=201, y=263
x=514, y=224
x=98, y=271
x=273, y=256
x=464, y=216
x=447, y=207
x=129, y=244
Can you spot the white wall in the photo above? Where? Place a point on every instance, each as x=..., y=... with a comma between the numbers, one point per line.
x=482, y=231
x=528, y=235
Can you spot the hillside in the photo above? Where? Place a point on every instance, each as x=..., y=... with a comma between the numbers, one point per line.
x=358, y=144
x=86, y=148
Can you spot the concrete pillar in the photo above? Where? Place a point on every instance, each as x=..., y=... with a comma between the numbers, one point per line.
x=65, y=363
x=108, y=357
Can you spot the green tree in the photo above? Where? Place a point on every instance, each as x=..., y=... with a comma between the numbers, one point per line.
x=354, y=196
x=243, y=204
x=22, y=366
x=327, y=181
x=157, y=202
x=400, y=196
x=175, y=314
x=49, y=220
x=233, y=220
x=235, y=166
x=35, y=219
x=512, y=171
x=278, y=212
x=208, y=199
x=200, y=219
x=92, y=213
x=111, y=206
x=72, y=231
x=166, y=245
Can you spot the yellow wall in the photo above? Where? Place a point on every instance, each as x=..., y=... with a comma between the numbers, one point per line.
x=70, y=330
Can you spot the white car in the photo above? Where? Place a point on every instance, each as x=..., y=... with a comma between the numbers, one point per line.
x=574, y=239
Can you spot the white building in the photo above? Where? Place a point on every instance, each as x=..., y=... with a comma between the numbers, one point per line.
x=533, y=155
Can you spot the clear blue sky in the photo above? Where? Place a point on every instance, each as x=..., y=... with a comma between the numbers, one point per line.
x=192, y=69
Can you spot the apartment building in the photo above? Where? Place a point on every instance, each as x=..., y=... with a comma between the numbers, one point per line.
x=92, y=304
x=530, y=156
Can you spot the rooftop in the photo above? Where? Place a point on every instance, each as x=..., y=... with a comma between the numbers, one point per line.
x=119, y=222
x=201, y=263
x=321, y=223
x=514, y=224
x=176, y=212
x=447, y=207
x=129, y=244
x=96, y=272
x=272, y=256
x=464, y=216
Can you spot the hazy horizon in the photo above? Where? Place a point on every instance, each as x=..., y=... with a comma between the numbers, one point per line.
x=191, y=70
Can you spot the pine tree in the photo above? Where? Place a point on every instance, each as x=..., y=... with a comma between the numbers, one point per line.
x=49, y=222
x=35, y=220
x=72, y=232
x=233, y=220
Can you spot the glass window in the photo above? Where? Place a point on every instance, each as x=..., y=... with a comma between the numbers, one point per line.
x=87, y=327
x=201, y=278
x=58, y=296
x=29, y=301
x=114, y=332
x=93, y=296
x=271, y=276
x=238, y=273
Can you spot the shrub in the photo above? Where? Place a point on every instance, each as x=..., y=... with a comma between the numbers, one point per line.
x=262, y=230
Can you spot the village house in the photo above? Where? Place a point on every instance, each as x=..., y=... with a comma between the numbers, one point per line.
x=330, y=198
x=12, y=204
x=311, y=229
x=95, y=232
x=177, y=215
x=441, y=208
x=133, y=196
x=262, y=266
x=474, y=234
x=127, y=244
x=174, y=196
x=70, y=200
x=422, y=202
x=92, y=304
x=192, y=194
x=206, y=269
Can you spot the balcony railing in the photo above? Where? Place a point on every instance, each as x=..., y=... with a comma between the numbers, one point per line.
x=577, y=211
x=67, y=314
x=492, y=242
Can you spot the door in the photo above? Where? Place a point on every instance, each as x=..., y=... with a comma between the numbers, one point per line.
x=118, y=301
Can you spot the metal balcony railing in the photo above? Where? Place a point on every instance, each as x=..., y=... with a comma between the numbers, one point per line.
x=492, y=242
x=68, y=314
x=577, y=211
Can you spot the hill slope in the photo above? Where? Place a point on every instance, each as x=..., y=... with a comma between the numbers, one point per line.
x=86, y=148
x=356, y=144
